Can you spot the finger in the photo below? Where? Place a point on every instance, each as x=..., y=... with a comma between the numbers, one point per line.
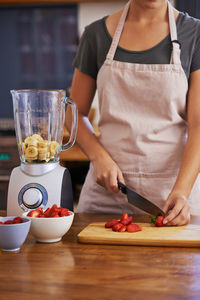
x=115, y=176
x=110, y=181
x=120, y=178
x=106, y=183
x=102, y=180
x=182, y=219
x=113, y=185
x=174, y=211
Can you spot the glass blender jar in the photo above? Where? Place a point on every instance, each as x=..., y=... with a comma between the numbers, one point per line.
x=39, y=123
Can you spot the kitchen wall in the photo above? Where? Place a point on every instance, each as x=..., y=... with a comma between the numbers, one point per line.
x=89, y=12
x=38, y=44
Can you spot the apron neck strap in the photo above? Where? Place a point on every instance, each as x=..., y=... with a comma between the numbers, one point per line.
x=118, y=31
x=176, y=47
x=175, y=57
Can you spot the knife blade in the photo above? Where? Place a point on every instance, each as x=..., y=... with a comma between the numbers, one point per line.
x=139, y=201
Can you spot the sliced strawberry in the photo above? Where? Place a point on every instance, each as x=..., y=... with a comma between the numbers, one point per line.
x=52, y=212
x=124, y=217
x=17, y=220
x=53, y=209
x=59, y=209
x=1, y=223
x=133, y=228
x=64, y=212
x=46, y=212
x=110, y=223
x=35, y=213
x=8, y=222
x=127, y=221
x=54, y=215
x=117, y=226
x=123, y=228
x=42, y=215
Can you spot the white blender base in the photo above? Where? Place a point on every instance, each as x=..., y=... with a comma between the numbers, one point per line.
x=51, y=181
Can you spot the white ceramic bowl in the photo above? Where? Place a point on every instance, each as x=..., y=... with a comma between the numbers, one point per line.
x=50, y=230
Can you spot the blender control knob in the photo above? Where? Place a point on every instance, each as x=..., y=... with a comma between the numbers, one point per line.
x=32, y=198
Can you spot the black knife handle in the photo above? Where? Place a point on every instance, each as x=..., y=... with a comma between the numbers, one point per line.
x=122, y=187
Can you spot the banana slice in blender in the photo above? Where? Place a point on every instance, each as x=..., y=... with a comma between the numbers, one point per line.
x=33, y=143
x=31, y=153
x=28, y=140
x=42, y=153
x=53, y=147
x=42, y=150
x=42, y=144
x=35, y=147
x=37, y=137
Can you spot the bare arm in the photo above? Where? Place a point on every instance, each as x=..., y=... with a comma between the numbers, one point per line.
x=106, y=171
x=190, y=166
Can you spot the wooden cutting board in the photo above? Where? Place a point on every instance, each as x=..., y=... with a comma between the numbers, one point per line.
x=180, y=236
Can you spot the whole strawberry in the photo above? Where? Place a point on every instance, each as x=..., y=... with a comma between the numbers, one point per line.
x=158, y=220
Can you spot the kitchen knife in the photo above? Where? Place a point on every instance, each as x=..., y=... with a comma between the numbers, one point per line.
x=139, y=201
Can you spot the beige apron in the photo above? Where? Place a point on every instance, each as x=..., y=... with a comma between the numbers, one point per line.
x=142, y=125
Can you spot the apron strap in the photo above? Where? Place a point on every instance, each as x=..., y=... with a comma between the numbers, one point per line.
x=176, y=46
x=118, y=32
x=175, y=56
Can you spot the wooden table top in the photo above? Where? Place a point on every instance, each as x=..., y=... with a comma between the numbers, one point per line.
x=70, y=270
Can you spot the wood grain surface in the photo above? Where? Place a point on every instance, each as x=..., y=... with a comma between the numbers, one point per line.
x=75, y=271
x=176, y=236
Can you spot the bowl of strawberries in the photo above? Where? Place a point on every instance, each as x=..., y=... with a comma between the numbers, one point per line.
x=51, y=224
x=13, y=232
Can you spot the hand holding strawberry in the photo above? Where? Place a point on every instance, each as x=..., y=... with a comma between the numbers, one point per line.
x=177, y=209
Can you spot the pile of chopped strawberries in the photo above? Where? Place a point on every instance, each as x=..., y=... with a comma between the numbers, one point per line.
x=16, y=220
x=50, y=212
x=124, y=224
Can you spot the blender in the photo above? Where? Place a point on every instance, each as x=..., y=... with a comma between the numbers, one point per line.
x=40, y=181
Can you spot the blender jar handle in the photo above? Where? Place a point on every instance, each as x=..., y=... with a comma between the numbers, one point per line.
x=73, y=133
